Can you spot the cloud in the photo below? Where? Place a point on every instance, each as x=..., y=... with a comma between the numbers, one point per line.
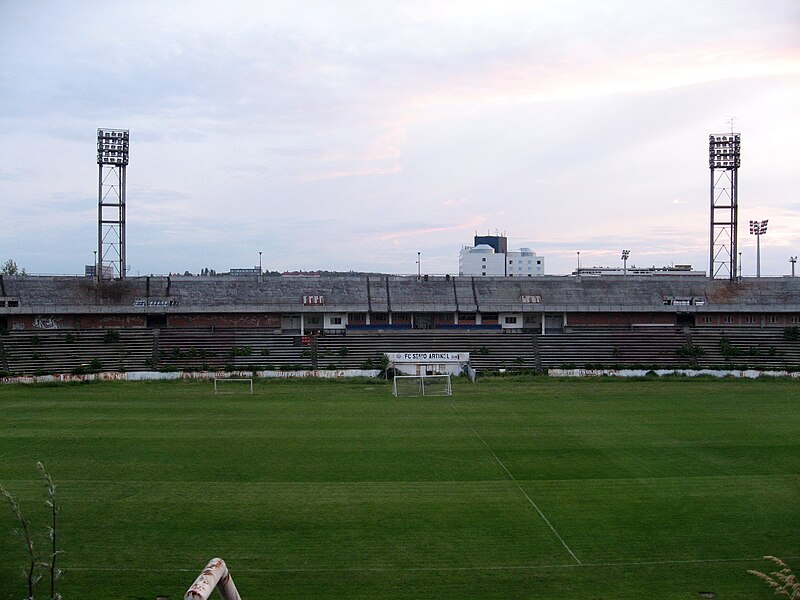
x=410, y=230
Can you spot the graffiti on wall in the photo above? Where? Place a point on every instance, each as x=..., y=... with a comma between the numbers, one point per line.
x=46, y=322
x=155, y=302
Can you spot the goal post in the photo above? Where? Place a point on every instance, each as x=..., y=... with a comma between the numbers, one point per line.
x=226, y=385
x=421, y=385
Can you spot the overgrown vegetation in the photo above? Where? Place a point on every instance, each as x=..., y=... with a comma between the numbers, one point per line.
x=691, y=351
x=727, y=349
x=39, y=564
x=784, y=582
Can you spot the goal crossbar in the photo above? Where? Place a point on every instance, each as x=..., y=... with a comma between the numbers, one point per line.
x=237, y=385
x=421, y=385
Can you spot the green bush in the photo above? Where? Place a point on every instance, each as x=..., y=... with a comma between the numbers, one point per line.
x=690, y=351
x=727, y=349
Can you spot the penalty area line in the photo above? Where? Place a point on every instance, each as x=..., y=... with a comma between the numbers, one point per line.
x=519, y=487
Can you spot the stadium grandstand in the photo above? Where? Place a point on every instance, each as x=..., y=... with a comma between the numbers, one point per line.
x=65, y=324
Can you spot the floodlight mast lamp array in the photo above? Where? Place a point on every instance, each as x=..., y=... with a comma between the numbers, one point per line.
x=724, y=159
x=625, y=255
x=112, y=163
x=758, y=228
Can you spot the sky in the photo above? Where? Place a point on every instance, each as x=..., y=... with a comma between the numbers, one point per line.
x=343, y=136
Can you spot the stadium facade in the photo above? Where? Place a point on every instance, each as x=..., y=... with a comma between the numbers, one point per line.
x=56, y=324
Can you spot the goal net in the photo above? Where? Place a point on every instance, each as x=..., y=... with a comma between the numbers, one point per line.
x=233, y=386
x=421, y=385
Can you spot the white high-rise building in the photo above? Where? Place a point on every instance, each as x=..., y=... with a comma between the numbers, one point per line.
x=524, y=263
x=481, y=260
x=489, y=257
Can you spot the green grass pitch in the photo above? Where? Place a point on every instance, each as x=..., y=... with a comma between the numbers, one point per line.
x=511, y=488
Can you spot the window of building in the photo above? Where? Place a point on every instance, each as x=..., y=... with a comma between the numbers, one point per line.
x=772, y=319
x=749, y=319
x=728, y=319
x=795, y=319
x=706, y=319
x=511, y=320
x=336, y=320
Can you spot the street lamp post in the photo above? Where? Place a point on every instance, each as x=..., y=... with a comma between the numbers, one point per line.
x=758, y=228
x=625, y=255
x=579, y=262
x=419, y=265
x=792, y=259
x=739, y=266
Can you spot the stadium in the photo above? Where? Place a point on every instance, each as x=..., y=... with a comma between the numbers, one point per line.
x=503, y=484
x=62, y=324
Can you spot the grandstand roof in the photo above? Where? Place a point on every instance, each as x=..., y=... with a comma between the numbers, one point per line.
x=396, y=293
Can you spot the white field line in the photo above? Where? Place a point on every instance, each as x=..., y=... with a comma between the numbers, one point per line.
x=599, y=565
x=519, y=487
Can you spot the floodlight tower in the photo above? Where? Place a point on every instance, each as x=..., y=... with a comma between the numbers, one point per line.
x=758, y=228
x=112, y=162
x=625, y=255
x=724, y=160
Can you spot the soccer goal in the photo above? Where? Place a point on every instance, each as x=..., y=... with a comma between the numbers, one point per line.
x=225, y=385
x=421, y=385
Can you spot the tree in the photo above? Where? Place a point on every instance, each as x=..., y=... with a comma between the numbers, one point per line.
x=10, y=268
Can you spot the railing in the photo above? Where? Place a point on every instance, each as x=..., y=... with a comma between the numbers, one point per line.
x=214, y=576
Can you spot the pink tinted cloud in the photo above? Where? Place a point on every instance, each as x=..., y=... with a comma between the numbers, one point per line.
x=470, y=223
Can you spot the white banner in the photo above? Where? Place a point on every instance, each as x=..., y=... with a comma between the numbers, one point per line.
x=422, y=357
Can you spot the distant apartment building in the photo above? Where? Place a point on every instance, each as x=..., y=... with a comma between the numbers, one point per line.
x=490, y=257
x=683, y=270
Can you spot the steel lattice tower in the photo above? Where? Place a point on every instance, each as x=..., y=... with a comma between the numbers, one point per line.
x=724, y=161
x=112, y=162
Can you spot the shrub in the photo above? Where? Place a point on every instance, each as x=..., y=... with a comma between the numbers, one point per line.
x=690, y=351
x=95, y=365
x=727, y=349
x=792, y=333
x=111, y=336
x=240, y=351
